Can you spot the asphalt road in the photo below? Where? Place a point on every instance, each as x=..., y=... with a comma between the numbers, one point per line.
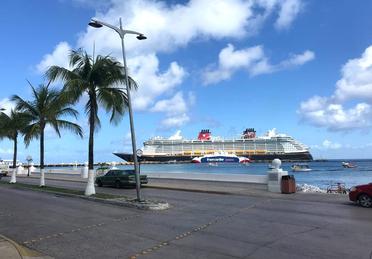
x=198, y=225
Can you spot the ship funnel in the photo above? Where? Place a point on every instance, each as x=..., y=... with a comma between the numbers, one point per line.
x=204, y=134
x=249, y=133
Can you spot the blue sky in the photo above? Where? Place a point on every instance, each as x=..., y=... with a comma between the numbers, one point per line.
x=301, y=66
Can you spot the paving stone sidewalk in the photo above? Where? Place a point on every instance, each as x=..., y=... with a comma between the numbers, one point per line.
x=12, y=250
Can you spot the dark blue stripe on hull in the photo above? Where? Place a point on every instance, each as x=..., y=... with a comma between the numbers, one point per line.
x=219, y=159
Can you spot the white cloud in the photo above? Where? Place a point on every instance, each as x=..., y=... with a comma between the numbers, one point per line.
x=175, y=121
x=356, y=81
x=289, y=10
x=59, y=57
x=175, y=108
x=168, y=28
x=6, y=151
x=315, y=103
x=321, y=112
x=152, y=82
x=253, y=60
x=191, y=98
x=355, y=86
x=331, y=145
x=95, y=4
x=231, y=60
x=298, y=59
x=7, y=105
x=176, y=136
x=175, y=105
x=327, y=144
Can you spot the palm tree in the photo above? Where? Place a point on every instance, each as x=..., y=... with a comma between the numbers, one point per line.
x=10, y=127
x=99, y=79
x=47, y=107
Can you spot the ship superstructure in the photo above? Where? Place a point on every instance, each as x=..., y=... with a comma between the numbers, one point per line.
x=262, y=148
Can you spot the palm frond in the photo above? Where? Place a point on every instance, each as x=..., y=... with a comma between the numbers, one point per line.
x=56, y=72
x=24, y=106
x=54, y=125
x=101, y=78
x=74, y=89
x=48, y=106
x=68, y=125
x=91, y=107
x=30, y=133
x=113, y=100
x=67, y=111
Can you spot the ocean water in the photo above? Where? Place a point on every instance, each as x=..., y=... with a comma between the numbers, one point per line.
x=323, y=174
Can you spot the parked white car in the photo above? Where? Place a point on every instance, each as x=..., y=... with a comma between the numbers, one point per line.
x=4, y=169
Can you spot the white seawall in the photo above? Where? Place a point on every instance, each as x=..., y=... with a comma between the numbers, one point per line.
x=212, y=177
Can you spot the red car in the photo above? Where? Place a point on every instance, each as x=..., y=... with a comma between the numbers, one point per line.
x=362, y=194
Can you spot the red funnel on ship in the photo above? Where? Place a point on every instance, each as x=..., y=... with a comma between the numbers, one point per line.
x=249, y=133
x=204, y=135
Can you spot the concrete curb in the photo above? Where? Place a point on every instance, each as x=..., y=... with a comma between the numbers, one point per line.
x=13, y=250
x=143, y=205
x=188, y=190
x=55, y=179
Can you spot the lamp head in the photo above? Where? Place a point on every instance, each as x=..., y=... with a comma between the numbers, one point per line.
x=94, y=24
x=141, y=37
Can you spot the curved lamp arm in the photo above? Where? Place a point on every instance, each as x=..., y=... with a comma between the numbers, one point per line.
x=97, y=24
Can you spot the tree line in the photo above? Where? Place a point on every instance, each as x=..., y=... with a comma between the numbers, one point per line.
x=97, y=78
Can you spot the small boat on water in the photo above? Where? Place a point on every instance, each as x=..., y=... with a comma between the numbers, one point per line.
x=348, y=165
x=172, y=162
x=220, y=158
x=301, y=168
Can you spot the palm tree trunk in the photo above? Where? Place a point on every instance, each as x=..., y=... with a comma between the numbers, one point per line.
x=90, y=189
x=13, y=178
x=15, y=151
x=91, y=142
x=42, y=176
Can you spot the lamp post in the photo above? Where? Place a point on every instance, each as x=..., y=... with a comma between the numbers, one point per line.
x=98, y=24
x=139, y=154
x=29, y=160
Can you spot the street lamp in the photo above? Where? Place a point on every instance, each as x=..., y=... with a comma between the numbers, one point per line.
x=139, y=154
x=98, y=24
x=29, y=160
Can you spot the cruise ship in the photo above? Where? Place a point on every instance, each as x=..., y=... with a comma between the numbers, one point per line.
x=257, y=148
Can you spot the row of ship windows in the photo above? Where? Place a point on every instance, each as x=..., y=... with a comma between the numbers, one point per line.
x=268, y=147
x=195, y=142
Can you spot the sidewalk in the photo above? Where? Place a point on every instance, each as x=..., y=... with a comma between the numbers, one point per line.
x=216, y=187
x=191, y=185
x=11, y=250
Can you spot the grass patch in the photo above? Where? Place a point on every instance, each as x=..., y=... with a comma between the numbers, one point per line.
x=59, y=190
